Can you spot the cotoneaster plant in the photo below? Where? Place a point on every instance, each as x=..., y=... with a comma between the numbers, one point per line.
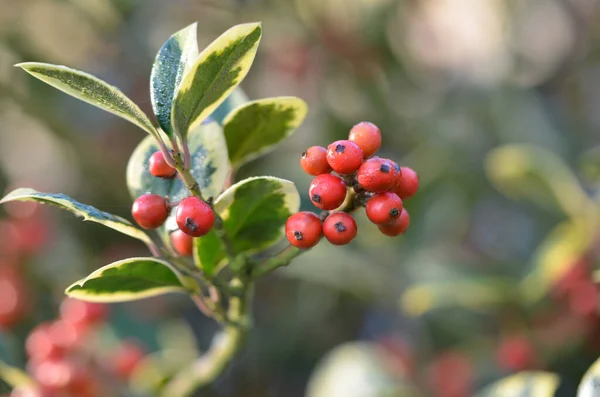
x=210, y=237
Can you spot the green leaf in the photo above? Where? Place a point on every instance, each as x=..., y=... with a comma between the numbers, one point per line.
x=126, y=280
x=254, y=213
x=210, y=167
x=88, y=212
x=215, y=74
x=174, y=58
x=590, y=383
x=90, y=89
x=15, y=377
x=524, y=384
x=256, y=127
x=237, y=98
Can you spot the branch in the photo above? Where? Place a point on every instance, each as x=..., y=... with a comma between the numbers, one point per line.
x=223, y=348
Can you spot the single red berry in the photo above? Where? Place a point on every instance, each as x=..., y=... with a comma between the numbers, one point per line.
x=407, y=184
x=194, y=217
x=83, y=314
x=367, y=136
x=158, y=166
x=339, y=228
x=183, y=243
x=377, y=175
x=127, y=357
x=327, y=191
x=515, y=354
x=451, y=375
x=65, y=335
x=384, y=208
x=150, y=211
x=344, y=156
x=398, y=226
x=304, y=229
x=55, y=375
x=314, y=161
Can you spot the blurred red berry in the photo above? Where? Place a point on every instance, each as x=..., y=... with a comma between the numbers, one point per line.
x=384, y=208
x=64, y=334
x=127, y=357
x=14, y=298
x=159, y=168
x=583, y=298
x=408, y=184
x=182, y=243
x=83, y=314
x=10, y=240
x=398, y=226
x=304, y=229
x=344, y=156
x=54, y=374
x=39, y=344
x=339, y=228
x=327, y=191
x=367, y=136
x=33, y=233
x=515, y=354
x=314, y=161
x=578, y=271
x=451, y=374
x=377, y=175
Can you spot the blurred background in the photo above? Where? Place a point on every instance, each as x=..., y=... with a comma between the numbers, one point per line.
x=495, y=103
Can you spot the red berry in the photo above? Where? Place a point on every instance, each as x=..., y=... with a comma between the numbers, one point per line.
x=127, y=357
x=377, y=175
x=384, y=208
x=327, y=191
x=451, y=375
x=150, y=211
x=83, y=314
x=398, y=226
x=194, y=217
x=158, y=166
x=339, y=228
x=55, y=374
x=407, y=184
x=183, y=243
x=344, y=156
x=39, y=344
x=64, y=334
x=367, y=136
x=515, y=354
x=304, y=229
x=314, y=161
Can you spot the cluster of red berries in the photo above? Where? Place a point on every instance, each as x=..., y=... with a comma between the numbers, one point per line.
x=194, y=217
x=377, y=183
x=60, y=361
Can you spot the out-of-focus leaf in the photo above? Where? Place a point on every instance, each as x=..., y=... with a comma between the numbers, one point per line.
x=215, y=74
x=88, y=212
x=254, y=213
x=525, y=171
x=357, y=369
x=256, y=127
x=156, y=368
x=523, y=384
x=90, y=89
x=126, y=280
x=236, y=99
x=15, y=377
x=173, y=60
x=475, y=293
x=590, y=383
x=553, y=259
x=589, y=163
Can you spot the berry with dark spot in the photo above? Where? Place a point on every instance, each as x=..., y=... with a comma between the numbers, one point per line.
x=304, y=229
x=384, y=208
x=398, y=226
x=344, y=156
x=150, y=211
x=314, y=161
x=407, y=184
x=194, y=217
x=327, y=191
x=158, y=166
x=367, y=136
x=377, y=175
x=182, y=243
x=340, y=228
